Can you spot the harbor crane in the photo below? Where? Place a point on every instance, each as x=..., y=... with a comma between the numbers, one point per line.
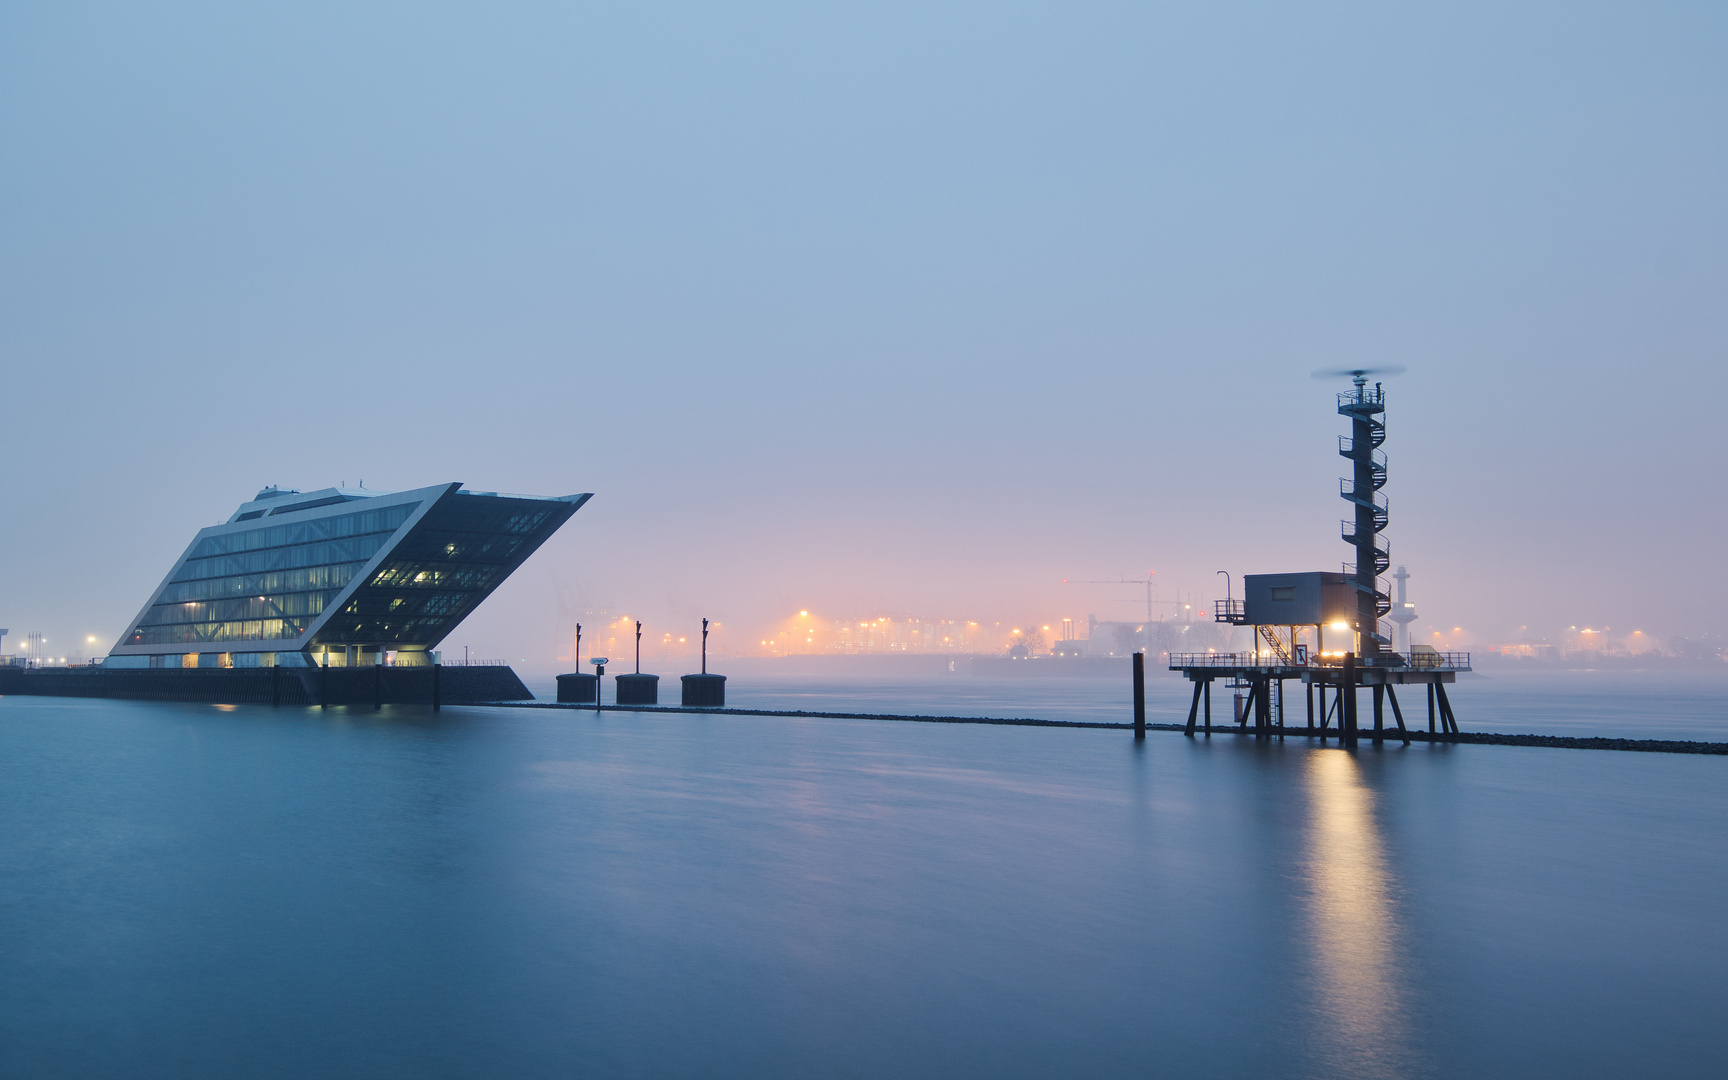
x=1147, y=582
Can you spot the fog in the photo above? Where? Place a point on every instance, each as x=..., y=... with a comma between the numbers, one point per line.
x=902, y=311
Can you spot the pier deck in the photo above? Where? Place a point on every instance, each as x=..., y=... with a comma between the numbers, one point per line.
x=1263, y=675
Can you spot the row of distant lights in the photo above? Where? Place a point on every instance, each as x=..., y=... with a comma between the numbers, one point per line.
x=91, y=639
x=1017, y=631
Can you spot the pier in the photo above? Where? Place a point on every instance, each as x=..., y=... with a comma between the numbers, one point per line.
x=375, y=685
x=1263, y=675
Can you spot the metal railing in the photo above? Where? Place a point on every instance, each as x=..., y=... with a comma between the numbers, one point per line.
x=1225, y=660
x=1357, y=398
x=1374, y=498
x=1443, y=661
x=1229, y=611
x=1347, y=448
x=1347, y=527
x=1418, y=660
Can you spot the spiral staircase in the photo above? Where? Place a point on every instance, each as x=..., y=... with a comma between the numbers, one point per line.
x=1364, y=407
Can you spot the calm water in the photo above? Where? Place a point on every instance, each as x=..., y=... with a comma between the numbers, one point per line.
x=1632, y=704
x=1678, y=704
x=194, y=891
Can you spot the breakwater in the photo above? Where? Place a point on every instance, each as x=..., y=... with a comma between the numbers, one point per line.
x=1558, y=742
x=368, y=685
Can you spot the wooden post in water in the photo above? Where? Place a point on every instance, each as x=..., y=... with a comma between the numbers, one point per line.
x=378, y=684
x=275, y=686
x=1430, y=706
x=437, y=696
x=324, y=684
x=1379, y=712
x=1208, y=685
x=1139, y=692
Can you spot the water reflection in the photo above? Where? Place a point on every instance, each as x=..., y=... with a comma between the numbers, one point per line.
x=1353, y=927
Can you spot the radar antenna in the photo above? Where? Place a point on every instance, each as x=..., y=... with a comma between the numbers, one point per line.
x=1359, y=375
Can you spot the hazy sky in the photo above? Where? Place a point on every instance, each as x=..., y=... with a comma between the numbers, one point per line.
x=875, y=309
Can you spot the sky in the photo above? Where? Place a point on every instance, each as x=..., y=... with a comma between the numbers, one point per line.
x=905, y=309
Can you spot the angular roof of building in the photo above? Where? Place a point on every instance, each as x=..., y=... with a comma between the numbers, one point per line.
x=290, y=570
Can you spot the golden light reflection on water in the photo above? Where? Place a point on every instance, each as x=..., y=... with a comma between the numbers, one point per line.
x=1353, y=925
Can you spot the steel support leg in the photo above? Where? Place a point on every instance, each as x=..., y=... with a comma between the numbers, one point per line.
x=1446, y=714
x=1397, y=713
x=1194, y=706
x=1347, y=687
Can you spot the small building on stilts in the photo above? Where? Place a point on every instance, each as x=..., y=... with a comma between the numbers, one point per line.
x=1324, y=629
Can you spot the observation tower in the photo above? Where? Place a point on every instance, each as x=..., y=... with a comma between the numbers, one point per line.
x=1291, y=615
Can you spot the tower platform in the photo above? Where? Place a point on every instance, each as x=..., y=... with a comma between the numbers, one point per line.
x=1263, y=675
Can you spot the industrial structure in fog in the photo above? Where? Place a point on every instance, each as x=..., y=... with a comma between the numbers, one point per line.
x=1403, y=612
x=1293, y=614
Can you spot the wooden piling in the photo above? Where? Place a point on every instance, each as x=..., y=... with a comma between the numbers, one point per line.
x=1139, y=695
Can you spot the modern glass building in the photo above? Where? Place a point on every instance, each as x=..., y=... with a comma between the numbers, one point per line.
x=337, y=576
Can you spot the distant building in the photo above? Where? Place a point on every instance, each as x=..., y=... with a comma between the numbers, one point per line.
x=336, y=576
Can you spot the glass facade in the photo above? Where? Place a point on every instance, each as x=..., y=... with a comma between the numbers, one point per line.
x=458, y=553
x=267, y=583
x=269, y=590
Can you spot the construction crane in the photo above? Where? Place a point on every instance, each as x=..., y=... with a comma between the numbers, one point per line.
x=1131, y=581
